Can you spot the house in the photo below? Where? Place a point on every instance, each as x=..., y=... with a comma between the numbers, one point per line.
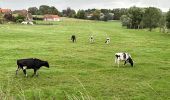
x=5, y=11
x=22, y=12
x=51, y=18
x=28, y=16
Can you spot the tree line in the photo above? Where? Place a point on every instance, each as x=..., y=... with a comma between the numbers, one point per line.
x=90, y=14
x=132, y=18
x=151, y=17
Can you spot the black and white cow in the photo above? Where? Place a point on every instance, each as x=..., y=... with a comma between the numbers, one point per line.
x=107, y=40
x=73, y=38
x=123, y=57
x=91, y=39
x=30, y=63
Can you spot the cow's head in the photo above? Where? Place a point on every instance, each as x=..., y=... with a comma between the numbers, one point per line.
x=45, y=63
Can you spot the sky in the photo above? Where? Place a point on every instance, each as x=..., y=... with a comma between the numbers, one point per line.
x=164, y=5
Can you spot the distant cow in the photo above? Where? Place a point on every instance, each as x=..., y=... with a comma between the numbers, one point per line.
x=107, y=40
x=91, y=39
x=24, y=22
x=30, y=63
x=123, y=57
x=73, y=38
x=31, y=23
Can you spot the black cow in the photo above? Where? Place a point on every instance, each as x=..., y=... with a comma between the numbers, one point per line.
x=31, y=63
x=73, y=38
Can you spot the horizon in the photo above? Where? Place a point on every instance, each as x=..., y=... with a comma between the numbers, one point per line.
x=164, y=5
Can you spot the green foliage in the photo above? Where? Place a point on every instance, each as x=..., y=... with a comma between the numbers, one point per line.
x=96, y=15
x=168, y=19
x=152, y=17
x=136, y=15
x=162, y=23
x=33, y=10
x=108, y=16
x=126, y=21
x=19, y=18
x=119, y=12
x=81, y=14
x=69, y=13
x=1, y=18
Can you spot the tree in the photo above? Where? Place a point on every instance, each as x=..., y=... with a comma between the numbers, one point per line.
x=168, y=19
x=96, y=15
x=53, y=10
x=126, y=21
x=108, y=16
x=81, y=14
x=44, y=9
x=151, y=17
x=136, y=15
x=33, y=10
x=1, y=18
x=69, y=12
x=8, y=17
x=162, y=23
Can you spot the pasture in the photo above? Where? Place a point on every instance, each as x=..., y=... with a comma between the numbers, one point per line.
x=82, y=70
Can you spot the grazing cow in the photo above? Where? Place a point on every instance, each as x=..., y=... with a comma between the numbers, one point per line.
x=31, y=23
x=107, y=40
x=73, y=38
x=91, y=39
x=30, y=63
x=123, y=57
x=24, y=22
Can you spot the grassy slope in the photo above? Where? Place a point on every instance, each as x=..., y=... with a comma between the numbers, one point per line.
x=83, y=69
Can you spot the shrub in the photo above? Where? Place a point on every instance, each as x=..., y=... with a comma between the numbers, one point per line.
x=19, y=20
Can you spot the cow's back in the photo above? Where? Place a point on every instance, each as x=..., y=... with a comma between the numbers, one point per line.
x=26, y=62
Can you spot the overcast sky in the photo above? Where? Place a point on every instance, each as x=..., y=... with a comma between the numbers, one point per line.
x=84, y=4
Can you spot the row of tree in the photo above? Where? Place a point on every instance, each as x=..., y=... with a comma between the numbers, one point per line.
x=92, y=14
x=151, y=17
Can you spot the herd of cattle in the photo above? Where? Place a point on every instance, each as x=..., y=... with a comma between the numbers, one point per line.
x=35, y=64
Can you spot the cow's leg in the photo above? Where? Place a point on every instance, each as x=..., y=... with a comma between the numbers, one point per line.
x=24, y=70
x=115, y=60
x=118, y=62
x=125, y=63
x=18, y=70
x=35, y=72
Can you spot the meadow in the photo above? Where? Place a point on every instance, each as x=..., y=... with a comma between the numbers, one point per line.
x=84, y=71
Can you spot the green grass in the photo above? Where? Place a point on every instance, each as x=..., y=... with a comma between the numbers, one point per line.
x=83, y=70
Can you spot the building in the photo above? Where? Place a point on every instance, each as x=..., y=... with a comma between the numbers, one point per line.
x=5, y=11
x=25, y=13
x=51, y=18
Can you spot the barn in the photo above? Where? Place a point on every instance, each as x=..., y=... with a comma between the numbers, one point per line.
x=51, y=18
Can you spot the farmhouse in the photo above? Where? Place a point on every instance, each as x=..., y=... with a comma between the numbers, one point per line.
x=5, y=10
x=51, y=18
x=25, y=13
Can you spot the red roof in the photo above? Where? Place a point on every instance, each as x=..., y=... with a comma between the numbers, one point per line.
x=51, y=16
x=5, y=10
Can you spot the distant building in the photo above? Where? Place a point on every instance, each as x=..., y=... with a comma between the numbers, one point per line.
x=51, y=18
x=21, y=12
x=25, y=13
x=5, y=11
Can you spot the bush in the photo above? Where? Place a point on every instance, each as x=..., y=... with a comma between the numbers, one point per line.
x=19, y=20
x=37, y=18
x=34, y=22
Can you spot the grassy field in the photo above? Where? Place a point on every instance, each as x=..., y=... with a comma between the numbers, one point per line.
x=82, y=70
